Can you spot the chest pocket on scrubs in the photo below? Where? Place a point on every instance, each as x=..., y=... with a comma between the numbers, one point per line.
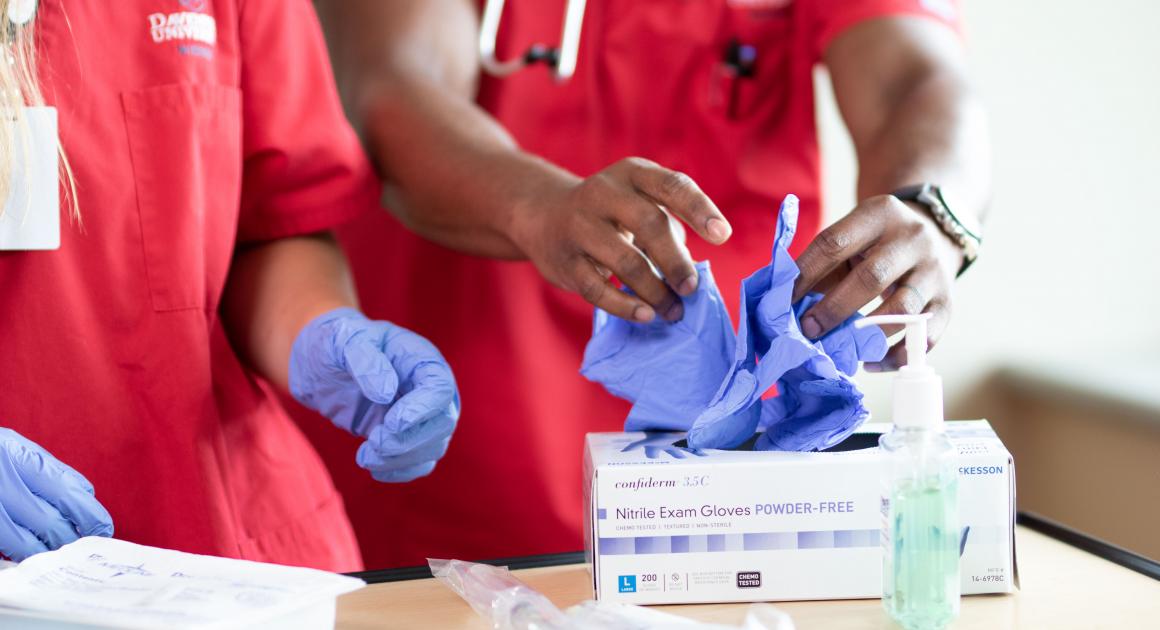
x=185, y=142
x=753, y=69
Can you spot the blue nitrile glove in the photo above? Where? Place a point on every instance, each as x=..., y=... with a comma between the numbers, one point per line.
x=381, y=382
x=43, y=503
x=771, y=349
x=655, y=445
x=668, y=371
x=811, y=412
x=846, y=345
x=818, y=405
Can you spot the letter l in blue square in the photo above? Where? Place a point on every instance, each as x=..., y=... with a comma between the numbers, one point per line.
x=626, y=584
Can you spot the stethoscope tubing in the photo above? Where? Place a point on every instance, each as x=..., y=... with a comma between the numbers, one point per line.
x=563, y=61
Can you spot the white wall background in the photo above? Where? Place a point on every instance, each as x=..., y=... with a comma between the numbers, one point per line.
x=1070, y=273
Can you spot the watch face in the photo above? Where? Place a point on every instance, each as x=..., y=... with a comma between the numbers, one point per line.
x=968, y=221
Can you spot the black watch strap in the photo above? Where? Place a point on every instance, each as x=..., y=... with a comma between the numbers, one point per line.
x=969, y=238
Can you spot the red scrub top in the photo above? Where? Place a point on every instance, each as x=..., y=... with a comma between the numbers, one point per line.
x=650, y=82
x=191, y=126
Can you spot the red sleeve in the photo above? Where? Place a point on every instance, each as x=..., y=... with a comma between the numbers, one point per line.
x=304, y=168
x=829, y=18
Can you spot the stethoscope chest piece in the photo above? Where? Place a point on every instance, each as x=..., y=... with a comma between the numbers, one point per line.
x=562, y=59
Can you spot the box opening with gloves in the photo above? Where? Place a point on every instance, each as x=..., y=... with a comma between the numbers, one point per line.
x=666, y=524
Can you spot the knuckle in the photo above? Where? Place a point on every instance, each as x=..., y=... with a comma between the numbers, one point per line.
x=833, y=243
x=630, y=266
x=592, y=289
x=873, y=274
x=890, y=204
x=826, y=312
x=676, y=183
x=634, y=162
x=940, y=305
x=917, y=230
x=653, y=225
x=909, y=301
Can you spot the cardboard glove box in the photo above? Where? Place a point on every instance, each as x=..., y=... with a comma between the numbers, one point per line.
x=665, y=525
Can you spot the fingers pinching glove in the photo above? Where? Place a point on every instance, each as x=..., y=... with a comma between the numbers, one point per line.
x=846, y=345
x=817, y=405
x=696, y=375
x=381, y=382
x=44, y=503
x=667, y=370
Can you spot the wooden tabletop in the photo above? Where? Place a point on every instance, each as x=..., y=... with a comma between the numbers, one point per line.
x=1062, y=587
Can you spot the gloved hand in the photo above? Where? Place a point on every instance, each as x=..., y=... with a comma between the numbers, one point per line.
x=668, y=371
x=43, y=503
x=381, y=382
x=822, y=405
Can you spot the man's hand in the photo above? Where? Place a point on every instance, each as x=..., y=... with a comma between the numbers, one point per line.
x=883, y=248
x=617, y=222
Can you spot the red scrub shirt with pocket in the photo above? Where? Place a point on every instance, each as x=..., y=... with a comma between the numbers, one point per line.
x=192, y=126
x=650, y=81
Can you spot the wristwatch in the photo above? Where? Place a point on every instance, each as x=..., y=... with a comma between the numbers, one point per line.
x=964, y=230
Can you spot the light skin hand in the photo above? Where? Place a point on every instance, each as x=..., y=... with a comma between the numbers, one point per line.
x=274, y=290
x=617, y=222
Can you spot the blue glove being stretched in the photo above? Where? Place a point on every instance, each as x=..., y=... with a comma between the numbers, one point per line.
x=696, y=376
x=664, y=369
x=380, y=382
x=44, y=503
x=817, y=404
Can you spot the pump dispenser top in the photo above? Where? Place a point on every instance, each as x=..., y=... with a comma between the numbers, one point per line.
x=918, y=391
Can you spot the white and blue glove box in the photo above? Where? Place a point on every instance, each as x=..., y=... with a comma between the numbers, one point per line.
x=670, y=525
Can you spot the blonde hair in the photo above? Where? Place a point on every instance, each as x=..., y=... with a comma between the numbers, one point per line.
x=19, y=88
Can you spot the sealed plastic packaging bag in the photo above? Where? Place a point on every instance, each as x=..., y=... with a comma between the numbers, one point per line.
x=509, y=604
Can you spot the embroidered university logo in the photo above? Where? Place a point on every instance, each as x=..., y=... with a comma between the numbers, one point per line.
x=191, y=24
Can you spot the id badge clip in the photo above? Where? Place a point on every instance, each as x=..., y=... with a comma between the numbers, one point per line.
x=31, y=219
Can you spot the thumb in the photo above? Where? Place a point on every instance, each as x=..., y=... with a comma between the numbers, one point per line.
x=370, y=368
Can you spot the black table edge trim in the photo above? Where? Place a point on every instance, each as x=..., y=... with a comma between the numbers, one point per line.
x=422, y=572
x=1095, y=546
x=1107, y=551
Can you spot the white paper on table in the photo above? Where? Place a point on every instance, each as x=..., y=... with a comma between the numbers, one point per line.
x=118, y=584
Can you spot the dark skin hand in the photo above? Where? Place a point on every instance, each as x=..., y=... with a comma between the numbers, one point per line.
x=615, y=223
x=902, y=88
x=408, y=72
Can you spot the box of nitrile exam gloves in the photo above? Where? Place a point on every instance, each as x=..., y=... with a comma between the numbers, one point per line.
x=666, y=525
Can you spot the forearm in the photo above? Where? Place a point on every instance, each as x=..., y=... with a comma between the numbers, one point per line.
x=274, y=290
x=408, y=74
x=937, y=133
x=902, y=86
x=451, y=173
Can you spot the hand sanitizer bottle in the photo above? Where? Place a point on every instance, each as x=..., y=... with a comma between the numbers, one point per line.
x=920, y=534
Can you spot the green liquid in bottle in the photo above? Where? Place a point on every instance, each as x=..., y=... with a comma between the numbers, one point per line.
x=922, y=561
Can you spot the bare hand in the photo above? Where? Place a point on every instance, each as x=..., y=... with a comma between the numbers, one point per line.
x=617, y=222
x=887, y=249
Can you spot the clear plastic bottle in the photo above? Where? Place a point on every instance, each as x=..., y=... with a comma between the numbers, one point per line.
x=920, y=508
x=920, y=559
